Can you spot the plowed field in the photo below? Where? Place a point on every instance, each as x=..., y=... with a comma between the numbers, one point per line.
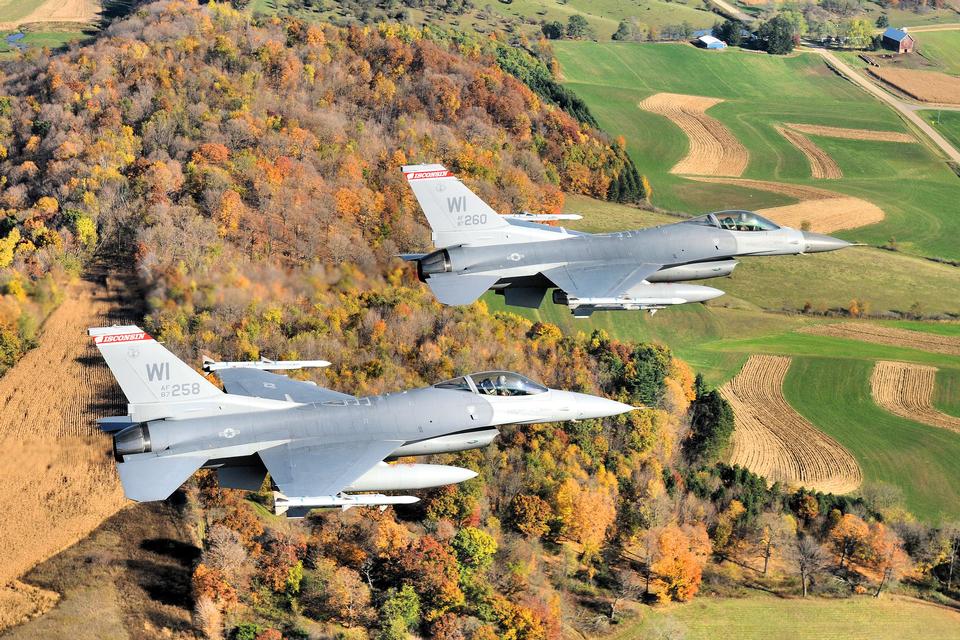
x=775, y=441
x=822, y=165
x=852, y=134
x=714, y=151
x=926, y=86
x=890, y=336
x=905, y=390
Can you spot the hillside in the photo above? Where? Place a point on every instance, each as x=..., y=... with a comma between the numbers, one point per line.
x=247, y=167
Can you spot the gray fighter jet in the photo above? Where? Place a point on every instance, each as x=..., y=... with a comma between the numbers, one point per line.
x=478, y=249
x=317, y=444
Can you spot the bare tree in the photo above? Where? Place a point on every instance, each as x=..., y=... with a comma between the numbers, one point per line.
x=626, y=586
x=809, y=557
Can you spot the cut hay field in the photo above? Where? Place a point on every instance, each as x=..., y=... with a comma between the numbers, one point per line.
x=906, y=390
x=16, y=12
x=835, y=395
x=766, y=617
x=776, y=442
x=759, y=93
x=926, y=86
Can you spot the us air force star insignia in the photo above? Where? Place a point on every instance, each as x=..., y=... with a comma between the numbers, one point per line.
x=515, y=257
x=228, y=433
x=133, y=352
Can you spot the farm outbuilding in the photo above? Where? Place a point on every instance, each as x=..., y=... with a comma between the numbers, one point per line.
x=898, y=40
x=709, y=42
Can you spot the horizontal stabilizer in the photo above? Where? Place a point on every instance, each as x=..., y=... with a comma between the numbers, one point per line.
x=112, y=424
x=412, y=257
x=146, y=477
x=454, y=289
x=262, y=384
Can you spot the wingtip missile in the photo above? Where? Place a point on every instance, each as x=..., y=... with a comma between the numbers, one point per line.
x=264, y=364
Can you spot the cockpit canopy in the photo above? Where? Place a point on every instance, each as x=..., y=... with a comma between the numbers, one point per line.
x=494, y=383
x=736, y=220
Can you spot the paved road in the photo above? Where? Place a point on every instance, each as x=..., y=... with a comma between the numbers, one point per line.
x=907, y=109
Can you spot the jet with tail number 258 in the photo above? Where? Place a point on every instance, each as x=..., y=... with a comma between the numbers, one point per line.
x=477, y=249
x=318, y=445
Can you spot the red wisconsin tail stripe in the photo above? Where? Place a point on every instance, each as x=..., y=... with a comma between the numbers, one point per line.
x=423, y=175
x=121, y=337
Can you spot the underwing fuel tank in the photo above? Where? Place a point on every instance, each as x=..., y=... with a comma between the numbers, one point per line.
x=448, y=444
x=694, y=271
x=407, y=477
x=646, y=296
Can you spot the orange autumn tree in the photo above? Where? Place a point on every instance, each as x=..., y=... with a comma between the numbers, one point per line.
x=679, y=557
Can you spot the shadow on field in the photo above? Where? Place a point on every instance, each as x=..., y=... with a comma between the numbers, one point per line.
x=131, y=576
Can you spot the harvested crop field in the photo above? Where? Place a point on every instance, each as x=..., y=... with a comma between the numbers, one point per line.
x=891, y=336
x=822, y=165
x=773, y=440
x=58, y=478
x=714, y=151
x=823, y=210
x=905, y=389
x=79, y=11
x=851, y=134
x=925, y=86
x=827, y=215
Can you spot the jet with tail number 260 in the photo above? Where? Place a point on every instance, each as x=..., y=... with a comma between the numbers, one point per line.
x=318, y=445
x=477, y=249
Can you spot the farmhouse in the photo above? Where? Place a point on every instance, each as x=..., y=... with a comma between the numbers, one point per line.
x=709, y=42
x=898, y=40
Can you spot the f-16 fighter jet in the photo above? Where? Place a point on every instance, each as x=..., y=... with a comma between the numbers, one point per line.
x=317, y=444
x=478, y=249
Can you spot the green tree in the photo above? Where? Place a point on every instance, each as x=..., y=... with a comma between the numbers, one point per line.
x=552, y=30
x=859, y=34
x=399, y=613
x=730, y=31
x=474, y=547
x=777, y=35
x=711, y=425
x=883, y=21
x=577, y=27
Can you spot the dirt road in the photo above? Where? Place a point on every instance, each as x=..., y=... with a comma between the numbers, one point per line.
x=906, y=109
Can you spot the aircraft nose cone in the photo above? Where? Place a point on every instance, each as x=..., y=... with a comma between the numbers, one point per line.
x=818, y=242
x=586, y=406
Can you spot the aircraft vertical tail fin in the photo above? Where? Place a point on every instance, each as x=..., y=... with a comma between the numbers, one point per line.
x=456, y=214
x=146, y=371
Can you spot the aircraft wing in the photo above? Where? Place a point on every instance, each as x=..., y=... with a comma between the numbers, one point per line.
x=261, y=384
x=600, y=279
x=316, y=468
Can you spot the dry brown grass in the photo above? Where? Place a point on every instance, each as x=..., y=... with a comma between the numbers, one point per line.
x=851, y=134
x=58, y=479
x=20, y=602
x=714, y=151
x=889, y=336
x=905, y=389
x=823, y=210
x=925, y=86
x=773, y=440
x=822, y=165
x=81, y=11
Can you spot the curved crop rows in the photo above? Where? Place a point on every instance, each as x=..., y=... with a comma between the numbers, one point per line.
x=823, y=210
x=773, y=440
x=822, y=165
x=851, y=134
x=905, y=389
x=714, y=151
x=891, y=336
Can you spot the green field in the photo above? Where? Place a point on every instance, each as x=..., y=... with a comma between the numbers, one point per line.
x=942, y=48
x=765, y=617
x=946, y=122
x=834, y=394
x=759, y=92
x=49, y=39
x=946, y=394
